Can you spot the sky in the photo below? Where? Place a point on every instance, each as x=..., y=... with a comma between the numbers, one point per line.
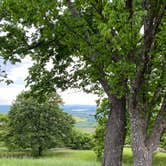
x=19, y=72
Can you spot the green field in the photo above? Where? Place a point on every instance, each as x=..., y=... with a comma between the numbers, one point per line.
x=66, y=157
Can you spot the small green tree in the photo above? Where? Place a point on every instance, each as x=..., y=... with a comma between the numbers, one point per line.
x=35, y=125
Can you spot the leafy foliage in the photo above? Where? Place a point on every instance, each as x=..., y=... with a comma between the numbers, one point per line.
x=116, y=47
x=3, y=127
x=37, y=125
x=80, y=140
x=101, y=118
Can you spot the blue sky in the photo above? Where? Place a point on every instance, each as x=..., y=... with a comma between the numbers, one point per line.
x=19, y=72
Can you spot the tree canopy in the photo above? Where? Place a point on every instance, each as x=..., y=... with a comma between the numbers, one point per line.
x=35, y=125
x=116, y=47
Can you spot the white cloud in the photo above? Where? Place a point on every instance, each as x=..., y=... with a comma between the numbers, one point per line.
x=8, y=94
x=19, y=72
x=78, y=97
x=16, y=73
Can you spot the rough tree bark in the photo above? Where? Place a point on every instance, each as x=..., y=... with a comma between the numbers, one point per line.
x=142, y=155
x=143, y=144
x=115, y=133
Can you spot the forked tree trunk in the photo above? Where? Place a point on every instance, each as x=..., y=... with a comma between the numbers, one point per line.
x=115, y=134
x=143, y=147
x=142, y=157
x=142, y=154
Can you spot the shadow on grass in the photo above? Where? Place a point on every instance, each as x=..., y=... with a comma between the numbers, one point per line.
x=7, y=154
x=57, y=153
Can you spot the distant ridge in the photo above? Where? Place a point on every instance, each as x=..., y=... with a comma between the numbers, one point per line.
x=4, y=109
x=86, y=112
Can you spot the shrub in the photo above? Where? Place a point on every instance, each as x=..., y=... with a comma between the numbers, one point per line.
x=80, y=140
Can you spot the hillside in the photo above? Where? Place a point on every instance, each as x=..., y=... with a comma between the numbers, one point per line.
x=83, y=114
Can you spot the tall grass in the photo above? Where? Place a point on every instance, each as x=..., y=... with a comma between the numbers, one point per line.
x=68, y=157
x=46, y=162
x=55, y=158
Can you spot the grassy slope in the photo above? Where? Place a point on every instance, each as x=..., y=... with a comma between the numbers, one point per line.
x=78, y=119
x=73, y=158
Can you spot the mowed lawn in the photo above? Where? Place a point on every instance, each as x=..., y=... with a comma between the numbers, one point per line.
x=68, y=157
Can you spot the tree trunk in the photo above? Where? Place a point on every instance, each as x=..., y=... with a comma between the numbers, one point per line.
x=115, y=133
x=40, y=150
x=142, y=155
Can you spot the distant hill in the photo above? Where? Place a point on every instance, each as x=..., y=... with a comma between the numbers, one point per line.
x=4, y=108
x=85, y=112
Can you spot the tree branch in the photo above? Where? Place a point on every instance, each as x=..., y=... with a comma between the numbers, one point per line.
x=151, y=24
x=72, y=9
x=129, y=6
x=159, y=127
x=159, y=18
x=150, y=29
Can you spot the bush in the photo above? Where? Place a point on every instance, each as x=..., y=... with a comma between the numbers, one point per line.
x=99, y=137
x=80, y=140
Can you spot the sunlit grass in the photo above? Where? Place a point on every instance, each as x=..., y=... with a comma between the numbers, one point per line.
x=79, y=119
x=159, y=159
x=67, y=157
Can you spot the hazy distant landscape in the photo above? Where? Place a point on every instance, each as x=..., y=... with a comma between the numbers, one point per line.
x=84, y=114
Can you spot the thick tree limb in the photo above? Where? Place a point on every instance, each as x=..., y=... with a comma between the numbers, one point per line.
x=159, y=18
x=159, y=127
x=129, y=6
x=151, y=25
x=106, y=87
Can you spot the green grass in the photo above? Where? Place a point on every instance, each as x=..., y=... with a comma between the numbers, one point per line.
x=159, y=159
x=78, y=119
x=66, y=157
x=56, y=158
